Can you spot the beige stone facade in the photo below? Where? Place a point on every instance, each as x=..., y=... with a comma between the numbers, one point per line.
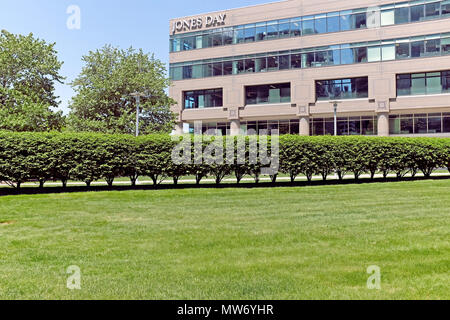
x=382, y=100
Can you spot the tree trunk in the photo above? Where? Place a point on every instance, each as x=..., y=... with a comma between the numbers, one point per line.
x=273, y=178
x=64, y=183
x=41, y=183
x=133, y=180
x=175, y=180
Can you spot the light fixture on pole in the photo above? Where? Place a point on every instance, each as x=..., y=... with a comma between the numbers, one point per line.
x=335, y=107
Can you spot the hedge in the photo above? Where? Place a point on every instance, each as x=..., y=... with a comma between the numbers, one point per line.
x=41, y=157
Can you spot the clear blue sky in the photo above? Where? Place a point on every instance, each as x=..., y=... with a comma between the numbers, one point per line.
x=138, y=23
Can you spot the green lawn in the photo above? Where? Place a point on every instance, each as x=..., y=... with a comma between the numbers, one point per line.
x=282, y=243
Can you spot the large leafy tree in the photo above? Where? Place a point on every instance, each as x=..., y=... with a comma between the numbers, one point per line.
x=104, y=101
x=29, y=69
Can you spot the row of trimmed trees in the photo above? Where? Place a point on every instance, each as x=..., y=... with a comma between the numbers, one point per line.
x=41, y=157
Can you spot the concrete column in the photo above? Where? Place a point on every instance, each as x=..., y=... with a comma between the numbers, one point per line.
x=179, y=128
x=304, y=126
x=383, y=124
x=235, y=127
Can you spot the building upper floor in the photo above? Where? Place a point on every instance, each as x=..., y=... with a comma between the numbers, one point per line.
x=297, y=18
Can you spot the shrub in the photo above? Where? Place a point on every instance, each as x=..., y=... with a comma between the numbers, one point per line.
x=88, y=157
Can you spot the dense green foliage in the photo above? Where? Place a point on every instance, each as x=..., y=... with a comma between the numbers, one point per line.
x=89, y=157
x=104, y=88
x=29, y=69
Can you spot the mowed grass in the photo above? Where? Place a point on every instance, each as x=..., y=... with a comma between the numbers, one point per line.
x=281, y=243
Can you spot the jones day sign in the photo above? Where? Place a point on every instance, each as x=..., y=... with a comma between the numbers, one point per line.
x=199, y=23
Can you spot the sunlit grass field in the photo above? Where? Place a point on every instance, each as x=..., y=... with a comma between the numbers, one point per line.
x=280, y=243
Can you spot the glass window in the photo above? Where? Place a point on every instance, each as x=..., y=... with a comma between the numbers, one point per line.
x=261, y=64
x=445, y=81
x=175, y=45
x=251, y=95
x=318, y=128
x=322, y=58
x=238, y=66
x=342, y=127
x=188, y=43
x=347, y=55
x=217, y=69
x=362, y=87
x=402, y=50
x=261, y=31
x=346, y=21
x=433, y=47
x=373, y=54
x=187, y=72
x=368, y=126
x=250, y=33
x=445, y=46
x=272, y=30
x=203, y=99
x=272, y=63
x=432, y=10
x=333, y=21
x=249, y=65
x=294, y=126
x=284, y=62
x=342, y=89
x=207, y=70
x=296, y=61
x=320, y=24
x=403, y=85
x=227, y=68
x=307, y=60
x=197, y=71
x=387, y=17
x=418, y=84
x=239, y=36
x=284, y=127
x=284, y=28
x=296, y=28
x=228, y=35
x=308, y=25
x=446, y=124
x=360, y=20
x=402, y=14
x=276, y=93
x=177, y=73
x=406, y=124
x=388, y=52
x=394, y=124
x=420, y=123
x=354, y=126
x=417, y=49
x=434, y=85
x=445, y=7
x=361, y=54
x=434, y=123
x=417, y=13
x=217, y=39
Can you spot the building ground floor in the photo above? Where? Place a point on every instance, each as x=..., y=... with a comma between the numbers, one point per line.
x=383, y=124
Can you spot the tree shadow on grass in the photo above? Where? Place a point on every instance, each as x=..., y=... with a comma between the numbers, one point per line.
x=245, y=185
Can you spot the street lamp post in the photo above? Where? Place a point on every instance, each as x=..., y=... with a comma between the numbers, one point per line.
x=138, y=96
x=335, y=106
